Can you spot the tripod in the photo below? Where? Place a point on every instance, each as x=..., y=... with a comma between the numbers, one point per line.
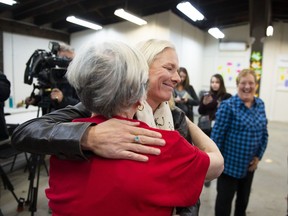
x=36, y=160
x=8, y=185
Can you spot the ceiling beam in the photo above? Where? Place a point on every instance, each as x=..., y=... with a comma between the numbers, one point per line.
x=260, y=17
x=12, y=26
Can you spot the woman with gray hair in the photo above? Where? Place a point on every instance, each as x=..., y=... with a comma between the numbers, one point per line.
x=111, y=79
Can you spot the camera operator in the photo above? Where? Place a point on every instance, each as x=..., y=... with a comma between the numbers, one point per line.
x=62, y=94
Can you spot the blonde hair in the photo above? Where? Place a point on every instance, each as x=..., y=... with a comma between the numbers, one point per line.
x=244, y=73
x=153, y=47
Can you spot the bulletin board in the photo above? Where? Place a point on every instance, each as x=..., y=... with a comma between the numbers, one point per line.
x=229, y=69
x=282, y=74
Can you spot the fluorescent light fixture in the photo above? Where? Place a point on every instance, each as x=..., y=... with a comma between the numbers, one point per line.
x=130, y=17
x=84, y=23
x=190, y=11
x=215, y=32
x=269, y=31
x=8, y=2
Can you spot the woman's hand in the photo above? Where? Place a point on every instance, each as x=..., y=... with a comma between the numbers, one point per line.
x=115, y=139
x=253, y=164
x=207, y=99
x=56, y=94
x=177, y=99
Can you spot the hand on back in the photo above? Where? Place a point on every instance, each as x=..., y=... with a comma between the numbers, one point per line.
x=120, y=143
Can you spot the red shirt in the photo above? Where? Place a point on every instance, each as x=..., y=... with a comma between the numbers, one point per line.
x=107, y=187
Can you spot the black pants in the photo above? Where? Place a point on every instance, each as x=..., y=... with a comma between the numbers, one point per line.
x=226, y=188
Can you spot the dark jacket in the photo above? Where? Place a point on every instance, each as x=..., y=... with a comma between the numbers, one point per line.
x=193, y=101
x=43, y=100
x=4, y=95
x=211, y=108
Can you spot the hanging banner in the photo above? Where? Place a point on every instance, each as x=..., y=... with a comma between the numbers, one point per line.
x=256, y=65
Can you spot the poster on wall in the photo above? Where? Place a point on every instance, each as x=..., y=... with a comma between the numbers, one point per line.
x=282, y=73
x=256, y=65
x=229, y=69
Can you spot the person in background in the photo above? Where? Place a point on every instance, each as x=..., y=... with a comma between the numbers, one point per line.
x=4, y=95
x=62, y=94
x=240, y=132
x=184, y=94
x=68, y=95
x=211, y=100
x=110, y=79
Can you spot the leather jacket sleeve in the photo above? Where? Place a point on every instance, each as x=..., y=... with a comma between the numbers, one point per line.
x=54, y=133
x=180, y=123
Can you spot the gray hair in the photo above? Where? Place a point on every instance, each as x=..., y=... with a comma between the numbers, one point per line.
x=153, y=47
x=109, y=77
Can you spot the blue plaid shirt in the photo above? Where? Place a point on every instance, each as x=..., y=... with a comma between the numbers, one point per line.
x=240, y=133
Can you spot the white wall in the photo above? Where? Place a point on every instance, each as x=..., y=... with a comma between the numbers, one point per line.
x=215, y=61
x=272, y=92
x=17, y=51
x=197, y=51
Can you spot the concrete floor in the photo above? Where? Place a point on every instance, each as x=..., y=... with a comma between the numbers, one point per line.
x=268, y=196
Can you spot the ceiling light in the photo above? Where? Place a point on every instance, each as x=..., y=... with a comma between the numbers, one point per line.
x=190, y=11
x=84, y=23
x=269, y=31
x=130, y=17
x=215, y=32
x=8, y=2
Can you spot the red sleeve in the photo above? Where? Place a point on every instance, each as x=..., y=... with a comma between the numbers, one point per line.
x=178, y=172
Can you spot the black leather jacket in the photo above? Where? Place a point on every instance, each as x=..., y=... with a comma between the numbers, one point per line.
x=50, y=135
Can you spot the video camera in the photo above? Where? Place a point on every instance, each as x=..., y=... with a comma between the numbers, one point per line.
x=46, y=67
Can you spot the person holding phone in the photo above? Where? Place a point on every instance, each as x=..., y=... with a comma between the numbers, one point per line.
x=211, y=100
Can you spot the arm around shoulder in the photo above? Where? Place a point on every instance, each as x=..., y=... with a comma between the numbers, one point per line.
x=53, y=133
x=204, y=143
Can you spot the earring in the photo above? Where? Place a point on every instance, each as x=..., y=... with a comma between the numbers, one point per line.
x=140, y=107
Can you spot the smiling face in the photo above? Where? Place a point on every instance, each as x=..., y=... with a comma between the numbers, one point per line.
x=246, y=89
x=163, y=77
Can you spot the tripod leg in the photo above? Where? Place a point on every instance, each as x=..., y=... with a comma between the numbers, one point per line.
x=33, y=190
x=45, y=165
x=31, y=168
x=8, y=185
x=13, y=163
